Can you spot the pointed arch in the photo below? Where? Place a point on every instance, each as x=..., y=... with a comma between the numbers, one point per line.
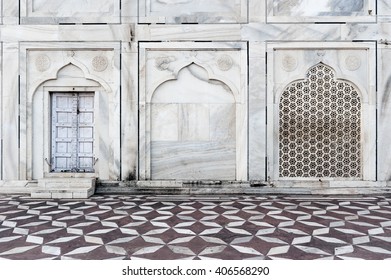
x=57, y=75
x=193, y=85
x=209, y=76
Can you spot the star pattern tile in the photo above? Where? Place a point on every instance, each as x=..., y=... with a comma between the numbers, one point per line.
x=221, y=227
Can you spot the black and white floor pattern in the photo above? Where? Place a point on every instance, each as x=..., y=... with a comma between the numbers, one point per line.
x=220, y=227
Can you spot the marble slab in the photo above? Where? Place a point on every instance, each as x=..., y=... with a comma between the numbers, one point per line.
x=189, y=160
x=321, y=11
x=193, y=11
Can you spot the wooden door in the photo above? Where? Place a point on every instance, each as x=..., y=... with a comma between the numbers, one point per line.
x=72, y=132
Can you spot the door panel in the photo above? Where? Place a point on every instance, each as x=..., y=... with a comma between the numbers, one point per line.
x=73, y=132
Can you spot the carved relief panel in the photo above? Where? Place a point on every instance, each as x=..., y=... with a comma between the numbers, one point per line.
x=69, y=11
x=193, y=111
x=193, y=11
x=321, y=11
x=323, y=106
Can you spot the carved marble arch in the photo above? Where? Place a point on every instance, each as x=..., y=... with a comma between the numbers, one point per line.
x=320, y=127
x=71, y=77
x=202, y=76
x=201, y=72
x=193, y=128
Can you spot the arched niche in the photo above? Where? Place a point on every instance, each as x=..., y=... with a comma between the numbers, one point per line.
x=69, y=79
x=320, y=127
x=193, y=128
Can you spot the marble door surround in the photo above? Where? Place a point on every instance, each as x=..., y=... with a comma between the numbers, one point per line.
x=68, y=67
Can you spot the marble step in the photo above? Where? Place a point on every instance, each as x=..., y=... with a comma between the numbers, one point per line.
x=64, y=188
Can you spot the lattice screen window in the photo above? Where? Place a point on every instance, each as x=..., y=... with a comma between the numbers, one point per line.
x=320, y=127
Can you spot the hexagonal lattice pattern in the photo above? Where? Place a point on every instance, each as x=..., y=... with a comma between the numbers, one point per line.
x=320, y=127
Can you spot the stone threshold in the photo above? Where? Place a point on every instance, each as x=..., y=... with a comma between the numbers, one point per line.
x=197, y=188
x=250, y=187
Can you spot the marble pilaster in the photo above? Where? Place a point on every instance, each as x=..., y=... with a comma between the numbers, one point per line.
x=384, y=113
x=129, y=109
x=10, y=112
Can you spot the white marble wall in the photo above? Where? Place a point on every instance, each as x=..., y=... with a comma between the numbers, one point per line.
x=250, y=26
x=1, y=114
x=10, y=12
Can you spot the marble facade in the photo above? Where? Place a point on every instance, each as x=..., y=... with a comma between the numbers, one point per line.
x=193, y=91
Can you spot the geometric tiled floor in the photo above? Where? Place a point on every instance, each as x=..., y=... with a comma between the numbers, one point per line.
x=221, y=227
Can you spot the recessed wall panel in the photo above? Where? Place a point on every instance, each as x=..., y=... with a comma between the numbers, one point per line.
x=193, y=11
x=321, y=11
x=69, y=11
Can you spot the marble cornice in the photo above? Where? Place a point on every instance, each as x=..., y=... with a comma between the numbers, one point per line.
x=257, y=32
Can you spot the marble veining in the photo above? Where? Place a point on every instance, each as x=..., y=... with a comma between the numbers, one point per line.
x=318, y=7
x=321, y=10
x=190, y=11
x=192, y=110
x=55, y=11
x=193, y=160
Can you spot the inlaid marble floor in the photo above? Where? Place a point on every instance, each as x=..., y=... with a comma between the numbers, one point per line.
x=224, y=227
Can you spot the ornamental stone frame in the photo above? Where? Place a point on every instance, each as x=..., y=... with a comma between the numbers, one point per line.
x=343, y=59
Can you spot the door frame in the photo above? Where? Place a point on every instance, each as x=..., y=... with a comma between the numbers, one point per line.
x=47, y=127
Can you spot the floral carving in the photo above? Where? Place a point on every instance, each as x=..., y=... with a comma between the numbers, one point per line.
x=100, y=63
x=289, y=63
x=353, y=62
x=42, y=62
x=225, y=62
x=162, y=63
